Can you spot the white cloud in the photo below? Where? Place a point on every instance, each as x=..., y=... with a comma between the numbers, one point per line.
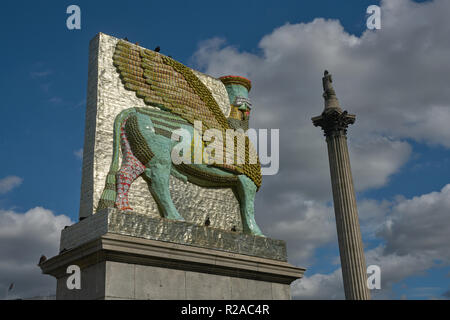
x=8, y=183
x=394, y=268
x=420, y=224
x=372, y=216
x=375, y=159
x=393, y=79
x=24, y=238
x=415, y=235
x=305, y=225
x=79, y=153
x=319, y=286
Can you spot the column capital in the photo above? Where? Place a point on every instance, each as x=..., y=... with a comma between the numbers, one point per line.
x=334, y=122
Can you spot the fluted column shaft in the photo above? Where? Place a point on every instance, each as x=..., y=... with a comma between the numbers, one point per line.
x=347, y=223
x=334, y=123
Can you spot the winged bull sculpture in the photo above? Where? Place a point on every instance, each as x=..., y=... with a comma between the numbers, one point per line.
x=176, y=98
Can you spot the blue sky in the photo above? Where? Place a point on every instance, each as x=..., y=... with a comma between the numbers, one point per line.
x=44, y=83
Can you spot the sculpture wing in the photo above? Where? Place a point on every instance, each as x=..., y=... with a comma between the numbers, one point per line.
x=168, y=84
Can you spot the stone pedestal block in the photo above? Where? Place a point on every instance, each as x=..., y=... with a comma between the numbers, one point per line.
x=128, y=263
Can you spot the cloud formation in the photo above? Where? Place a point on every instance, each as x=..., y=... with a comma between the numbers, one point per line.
x=395, y=81
x=9, y=183
x=415, y=238
x=24, y=237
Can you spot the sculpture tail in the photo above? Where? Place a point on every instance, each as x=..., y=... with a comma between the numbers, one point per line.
x=108, y=197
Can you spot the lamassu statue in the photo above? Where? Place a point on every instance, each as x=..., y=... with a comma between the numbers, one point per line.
x=176, y=98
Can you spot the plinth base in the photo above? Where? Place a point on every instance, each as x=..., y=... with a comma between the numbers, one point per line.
x=120, y=266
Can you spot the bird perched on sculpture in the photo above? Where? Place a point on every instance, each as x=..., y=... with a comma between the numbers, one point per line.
x=42, y=260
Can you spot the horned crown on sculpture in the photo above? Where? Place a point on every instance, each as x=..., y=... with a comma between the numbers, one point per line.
x=177, y=99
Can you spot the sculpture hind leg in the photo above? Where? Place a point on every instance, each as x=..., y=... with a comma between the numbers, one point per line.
x=127, y=174
x=246, y=190
x=130, y=170
x=155, y=152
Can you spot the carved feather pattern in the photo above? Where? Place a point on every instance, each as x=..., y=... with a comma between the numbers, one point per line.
x=169, y=85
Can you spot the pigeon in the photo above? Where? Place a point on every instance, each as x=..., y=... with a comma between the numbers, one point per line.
x=157, y=49
x=126, y=39
x=207, y=222
x=42, y=260
x=233, y=229
x=137, y=43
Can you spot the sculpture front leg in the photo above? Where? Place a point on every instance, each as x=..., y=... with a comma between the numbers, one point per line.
x=246, y=191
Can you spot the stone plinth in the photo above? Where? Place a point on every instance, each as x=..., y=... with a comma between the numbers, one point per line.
x=187, y=233
x=133, y=256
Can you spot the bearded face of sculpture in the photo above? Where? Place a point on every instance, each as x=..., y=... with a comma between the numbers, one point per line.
x=238, y=89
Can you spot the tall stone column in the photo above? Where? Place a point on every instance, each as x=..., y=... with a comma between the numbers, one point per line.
x=334, y=123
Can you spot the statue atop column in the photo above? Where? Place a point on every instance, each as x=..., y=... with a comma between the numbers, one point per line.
x=329, y=94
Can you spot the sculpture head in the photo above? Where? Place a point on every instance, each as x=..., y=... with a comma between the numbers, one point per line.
x=238, y=89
